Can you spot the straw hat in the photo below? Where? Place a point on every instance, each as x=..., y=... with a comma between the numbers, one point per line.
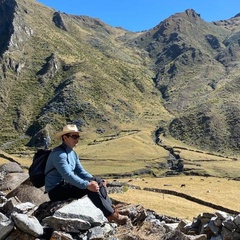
x=67, y=129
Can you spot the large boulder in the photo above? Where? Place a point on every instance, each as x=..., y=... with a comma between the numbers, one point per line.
x=26, y=192
x=11, y=176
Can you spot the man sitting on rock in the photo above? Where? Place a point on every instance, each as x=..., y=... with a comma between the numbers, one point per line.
x=66, y=178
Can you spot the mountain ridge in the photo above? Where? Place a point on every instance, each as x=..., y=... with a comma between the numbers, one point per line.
x=58, y=68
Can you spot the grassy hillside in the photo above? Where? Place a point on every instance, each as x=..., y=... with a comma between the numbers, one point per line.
x=82, y=74
x=180, y=77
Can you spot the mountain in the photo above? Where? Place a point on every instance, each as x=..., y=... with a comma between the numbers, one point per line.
x=195, y=64
x=178, y=78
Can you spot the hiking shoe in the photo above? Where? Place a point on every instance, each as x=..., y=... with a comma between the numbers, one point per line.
x=117, y=218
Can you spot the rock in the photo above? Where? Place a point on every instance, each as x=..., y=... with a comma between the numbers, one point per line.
x=49, y=70
x=170, y=226
x=61, y=235
x=100, y=232
x=235, y=236
x=69, y=225
x=59, y=22
x=28, y=224
x=176, y=234
x=226, y=233
x=26, y=192
x=80, y=219
x=12, y=175
x=8, y=206
x=11, y=167
x=222, y=215
x=13, y=180
x=198, y=237
x=213, y=227
x=23, y=207
x=218, y=237
x=6, y=226
x=229, y=224
x=237, y=220
x=84, y=209
x=217, y=221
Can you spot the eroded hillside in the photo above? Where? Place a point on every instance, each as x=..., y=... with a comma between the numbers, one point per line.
x=195, y=64
x=70, y=69
x=178, y=78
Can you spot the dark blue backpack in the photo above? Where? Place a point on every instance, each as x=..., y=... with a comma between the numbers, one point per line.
x=37, y=168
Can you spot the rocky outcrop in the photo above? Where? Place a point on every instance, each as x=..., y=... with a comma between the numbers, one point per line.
x=77, y=219
x=25, y=192
x=80, y=219
x=49, y=69
x=59, y=22
x=14, y=181
x=14, y=32
x=11, y=175
x=215, y=226
x=6, y=26
x=41, y=139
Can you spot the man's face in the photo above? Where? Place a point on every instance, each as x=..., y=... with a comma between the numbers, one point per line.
x=71, y=139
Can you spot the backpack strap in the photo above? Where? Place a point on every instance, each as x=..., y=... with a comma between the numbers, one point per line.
x=62, y=147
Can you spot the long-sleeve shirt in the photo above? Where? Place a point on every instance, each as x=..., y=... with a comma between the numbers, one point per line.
x=66, y=166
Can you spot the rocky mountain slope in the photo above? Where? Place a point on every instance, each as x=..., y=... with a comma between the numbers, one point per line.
x=195, y=65
x=179, y=78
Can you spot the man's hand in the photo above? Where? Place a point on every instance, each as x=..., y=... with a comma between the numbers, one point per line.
x=93, y=186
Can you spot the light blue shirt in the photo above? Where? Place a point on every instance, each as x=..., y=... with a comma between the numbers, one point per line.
x=66, y=166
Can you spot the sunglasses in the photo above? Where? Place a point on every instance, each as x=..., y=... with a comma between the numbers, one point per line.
x=75, y=137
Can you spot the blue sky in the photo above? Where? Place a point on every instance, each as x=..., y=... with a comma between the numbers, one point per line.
x=138, y=15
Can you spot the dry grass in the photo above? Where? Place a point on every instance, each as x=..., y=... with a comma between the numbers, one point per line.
x=163, y=204
x=131, y=150
x=219, y=191
x=133, y=147
x=126, y=152
x=3, y=161
x=23, y=160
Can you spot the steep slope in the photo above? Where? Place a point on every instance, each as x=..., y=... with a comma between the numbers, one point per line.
x=195, y=64
x=61, y=68
x=179, y=77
